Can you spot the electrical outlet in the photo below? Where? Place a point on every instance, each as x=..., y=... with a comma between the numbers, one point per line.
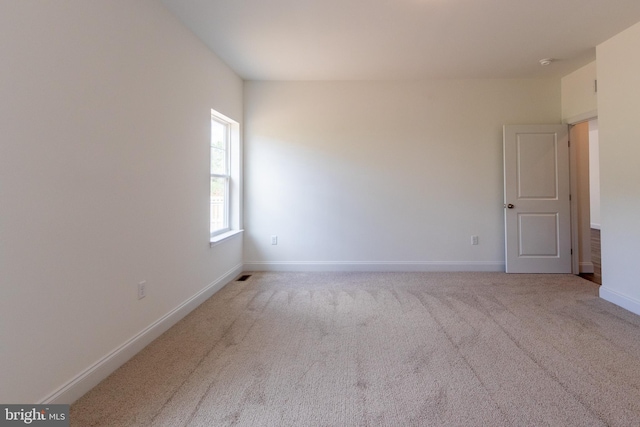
x=274, y=240
x=142, y=289
x=474, y=240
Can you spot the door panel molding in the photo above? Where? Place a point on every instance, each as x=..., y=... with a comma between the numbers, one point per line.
x=536, y=199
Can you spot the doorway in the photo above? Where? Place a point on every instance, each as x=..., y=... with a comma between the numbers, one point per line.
x=586, y=205
x=594, y=204
x=533, y=239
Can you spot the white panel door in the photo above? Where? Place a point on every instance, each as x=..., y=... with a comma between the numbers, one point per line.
x=536, y=199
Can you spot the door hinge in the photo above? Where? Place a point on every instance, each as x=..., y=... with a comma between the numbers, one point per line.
x=569, y=197
x=569, y=142
x=571, y=251
x=595, y=86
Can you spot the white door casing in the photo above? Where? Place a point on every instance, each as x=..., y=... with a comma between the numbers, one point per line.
x=537, y=199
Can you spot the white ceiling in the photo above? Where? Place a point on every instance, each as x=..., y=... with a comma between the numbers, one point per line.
x=404, y=39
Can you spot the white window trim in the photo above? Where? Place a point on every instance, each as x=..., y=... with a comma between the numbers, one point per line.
x=219, y=238
x=225, y=176
x=233, y=207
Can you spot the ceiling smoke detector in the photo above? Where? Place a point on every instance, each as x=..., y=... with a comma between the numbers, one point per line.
x=546, y=61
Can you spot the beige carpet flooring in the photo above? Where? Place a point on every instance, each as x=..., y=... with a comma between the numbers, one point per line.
x=384, y=349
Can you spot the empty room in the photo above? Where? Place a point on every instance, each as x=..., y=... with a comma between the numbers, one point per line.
x=319, y=213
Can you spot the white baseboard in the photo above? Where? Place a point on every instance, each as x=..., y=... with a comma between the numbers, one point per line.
x=628, y=303
x=90, y=377
x=587, y=267
x=374, y=266
x=595, y=226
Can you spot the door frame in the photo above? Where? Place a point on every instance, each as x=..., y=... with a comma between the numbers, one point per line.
x=573, y=182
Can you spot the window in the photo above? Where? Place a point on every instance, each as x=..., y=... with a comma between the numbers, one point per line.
x=220, y=175
x=226, y=179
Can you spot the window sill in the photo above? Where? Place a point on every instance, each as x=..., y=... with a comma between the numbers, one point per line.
x=219, y=238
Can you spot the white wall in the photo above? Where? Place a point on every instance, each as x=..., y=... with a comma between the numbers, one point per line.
x=104, y=118
x=579, y=98
x=382, y=175
x=594, y=173
x=619, y=133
